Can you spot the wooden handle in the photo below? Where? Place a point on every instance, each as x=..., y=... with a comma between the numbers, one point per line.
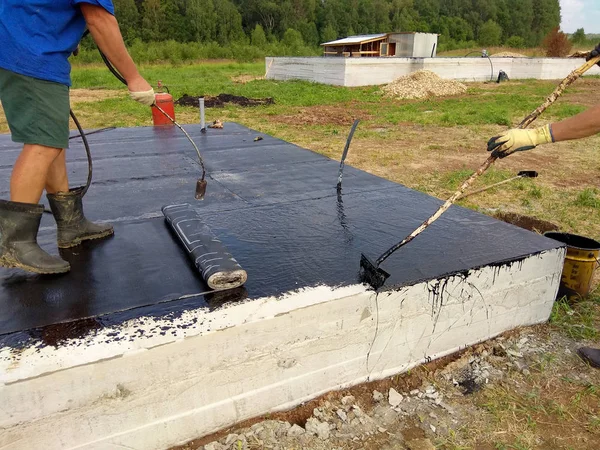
x=483, y=189
x=570, y=79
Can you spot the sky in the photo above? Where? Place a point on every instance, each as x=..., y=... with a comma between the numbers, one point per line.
x=580, y=14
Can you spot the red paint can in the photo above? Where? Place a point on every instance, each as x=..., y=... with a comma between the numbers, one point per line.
x=165, y=101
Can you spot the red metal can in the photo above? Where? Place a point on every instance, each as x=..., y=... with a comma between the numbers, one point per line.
x=165, y=101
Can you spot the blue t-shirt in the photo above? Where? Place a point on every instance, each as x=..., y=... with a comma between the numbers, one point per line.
x=38, y=36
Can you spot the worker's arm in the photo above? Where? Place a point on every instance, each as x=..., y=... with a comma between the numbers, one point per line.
x=105, y=30
x=580, y=126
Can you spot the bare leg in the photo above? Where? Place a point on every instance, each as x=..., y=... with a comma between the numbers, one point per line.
x=29, y=174
x=57, y=179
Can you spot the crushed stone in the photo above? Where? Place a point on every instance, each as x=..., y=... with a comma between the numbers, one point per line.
x=422, y=84
x=370, y=419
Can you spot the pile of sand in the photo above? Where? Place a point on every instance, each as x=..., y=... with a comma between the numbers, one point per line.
x=507, y=55
x=422, y=84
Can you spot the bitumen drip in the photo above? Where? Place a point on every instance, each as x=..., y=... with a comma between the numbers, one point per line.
x=273, y=205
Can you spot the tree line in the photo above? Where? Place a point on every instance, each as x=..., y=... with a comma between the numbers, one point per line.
x=517, y=23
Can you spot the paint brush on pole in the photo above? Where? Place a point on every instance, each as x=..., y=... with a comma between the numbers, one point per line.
x=345, y=154
x=521, y=174
x=370, y=271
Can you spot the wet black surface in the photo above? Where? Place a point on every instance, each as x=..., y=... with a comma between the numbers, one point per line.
x=274, y=206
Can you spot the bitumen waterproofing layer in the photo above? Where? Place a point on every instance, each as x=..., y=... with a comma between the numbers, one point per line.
x=273, y=204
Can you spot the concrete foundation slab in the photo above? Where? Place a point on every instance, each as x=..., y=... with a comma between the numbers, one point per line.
x=351, y=72
x=132, y=350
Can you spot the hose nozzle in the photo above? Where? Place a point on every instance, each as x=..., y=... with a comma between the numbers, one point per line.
x=200, y=189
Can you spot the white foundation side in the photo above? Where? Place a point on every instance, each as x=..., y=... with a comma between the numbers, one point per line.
x=352, y=72
x=218, y=368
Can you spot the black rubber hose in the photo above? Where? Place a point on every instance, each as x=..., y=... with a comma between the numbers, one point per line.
x=100, y=130
x=112, y=69
x=489, y=59
x=119, y=77
x=87, y=151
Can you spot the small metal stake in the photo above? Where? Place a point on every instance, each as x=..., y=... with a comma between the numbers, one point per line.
x=202, y=119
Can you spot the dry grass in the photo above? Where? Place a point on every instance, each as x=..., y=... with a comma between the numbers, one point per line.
x=94, y=95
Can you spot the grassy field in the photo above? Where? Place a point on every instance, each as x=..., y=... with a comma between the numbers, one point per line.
x=430, y=145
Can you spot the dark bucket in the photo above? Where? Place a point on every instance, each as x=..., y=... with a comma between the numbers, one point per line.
x=580, y=263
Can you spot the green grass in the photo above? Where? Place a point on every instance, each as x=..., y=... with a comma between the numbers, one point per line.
x=578, y=320
x=505, y=105
x=589, y=198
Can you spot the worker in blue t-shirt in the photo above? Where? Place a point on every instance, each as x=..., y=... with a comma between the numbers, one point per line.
x=38, y=36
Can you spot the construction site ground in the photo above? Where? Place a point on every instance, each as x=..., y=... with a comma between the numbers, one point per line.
x=525, y=390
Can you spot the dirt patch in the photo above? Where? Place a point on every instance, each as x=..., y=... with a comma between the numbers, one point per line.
x=529, y=223
x=422, y=84
x=223, y=99
x=243, y=79
x=93, y=95
x=580, y=93
x=322, y=115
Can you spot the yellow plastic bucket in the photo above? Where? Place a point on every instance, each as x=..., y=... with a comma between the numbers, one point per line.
x=580, y=263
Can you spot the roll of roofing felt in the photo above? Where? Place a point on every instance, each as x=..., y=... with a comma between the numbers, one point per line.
x=216, y=265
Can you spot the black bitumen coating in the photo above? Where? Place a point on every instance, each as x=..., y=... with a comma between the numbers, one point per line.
x=274, y=206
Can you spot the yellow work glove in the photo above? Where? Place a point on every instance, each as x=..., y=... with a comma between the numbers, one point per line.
x=144, y=97
x=518, y=140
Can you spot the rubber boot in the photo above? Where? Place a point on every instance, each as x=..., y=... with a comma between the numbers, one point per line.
x=591, y=356
x=73, y=227
x=19, y=225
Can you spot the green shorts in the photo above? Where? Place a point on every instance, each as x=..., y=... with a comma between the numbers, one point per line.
x=37, y=111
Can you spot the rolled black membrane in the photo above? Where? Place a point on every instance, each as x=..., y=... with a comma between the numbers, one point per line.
x=216, y=265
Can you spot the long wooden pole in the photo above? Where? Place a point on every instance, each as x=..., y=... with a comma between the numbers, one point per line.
x=570, y=79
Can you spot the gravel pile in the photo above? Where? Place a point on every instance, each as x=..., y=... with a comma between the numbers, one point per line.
x=422, y=84
x=508, y=55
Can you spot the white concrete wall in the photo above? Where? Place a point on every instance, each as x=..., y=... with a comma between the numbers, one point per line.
x=212, y=369
x=327, y=70
x=424, y=43
x=373, y=71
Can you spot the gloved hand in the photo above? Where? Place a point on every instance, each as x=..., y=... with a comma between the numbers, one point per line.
x=140, y=90
x=518, y=140
x=144, y=97
x=594, y=53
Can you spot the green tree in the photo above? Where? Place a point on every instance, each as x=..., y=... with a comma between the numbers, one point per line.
x=490, y=34
x=309, y=32
x=259, y=39
x=229, y=23
x=292, y=38
x=202, y=20
x=579, y=36
x=329, y=34
x=172, y=25
x=152, y=17
x=515, y=42
x=521, y=19
x=546, y=17
x=128, y=16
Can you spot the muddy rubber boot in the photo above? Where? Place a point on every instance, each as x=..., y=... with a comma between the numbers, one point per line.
x=73, y=227
x=590, y=356
x=19, y=225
